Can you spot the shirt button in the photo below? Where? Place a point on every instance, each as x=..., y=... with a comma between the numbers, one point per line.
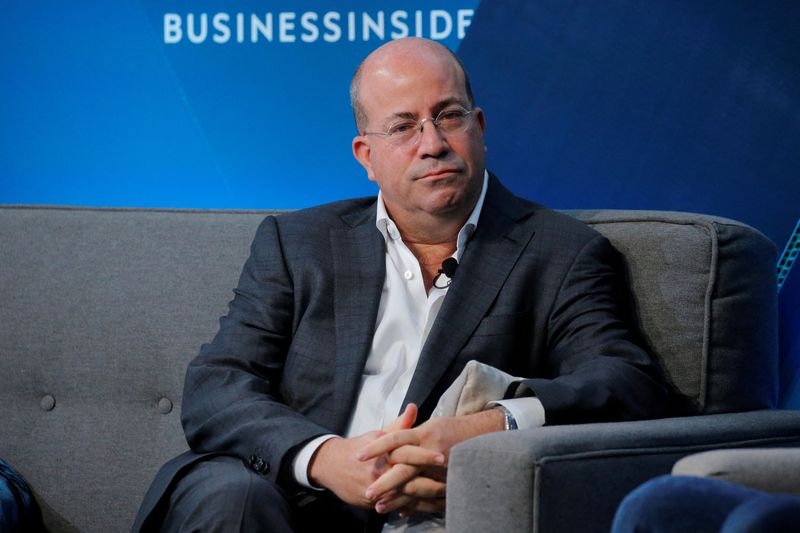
x=408, y=274
x=393, y=233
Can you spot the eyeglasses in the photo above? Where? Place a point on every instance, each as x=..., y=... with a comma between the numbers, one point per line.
x=408, y=132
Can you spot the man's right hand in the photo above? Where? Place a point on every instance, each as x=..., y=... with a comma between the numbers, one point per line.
x=336, y=467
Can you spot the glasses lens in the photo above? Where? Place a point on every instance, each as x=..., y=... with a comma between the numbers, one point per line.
x=452, y=119
x=403, y=131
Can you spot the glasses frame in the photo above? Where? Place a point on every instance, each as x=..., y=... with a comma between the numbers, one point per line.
x=418, y=128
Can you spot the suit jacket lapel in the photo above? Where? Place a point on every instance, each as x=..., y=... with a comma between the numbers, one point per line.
x=359, y=271
x=490, y=255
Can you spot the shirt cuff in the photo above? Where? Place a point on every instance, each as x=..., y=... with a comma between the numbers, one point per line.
x=303, y=457
x=528, y=411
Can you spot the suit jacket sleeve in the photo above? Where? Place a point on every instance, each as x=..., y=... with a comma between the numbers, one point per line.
x=599, y=369
x=232, y=400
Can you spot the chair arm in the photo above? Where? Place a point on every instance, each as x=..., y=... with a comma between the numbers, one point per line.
x=571, y=478
x=772, y=470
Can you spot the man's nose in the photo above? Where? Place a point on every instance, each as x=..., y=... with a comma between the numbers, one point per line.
x=431, y=140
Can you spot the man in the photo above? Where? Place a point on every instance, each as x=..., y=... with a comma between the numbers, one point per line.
x=342, y=320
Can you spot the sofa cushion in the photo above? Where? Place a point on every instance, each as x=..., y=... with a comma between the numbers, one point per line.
x=100, y=312
x=705, y=293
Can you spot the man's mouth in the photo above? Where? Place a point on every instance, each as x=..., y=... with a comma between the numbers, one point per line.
x=439, y=172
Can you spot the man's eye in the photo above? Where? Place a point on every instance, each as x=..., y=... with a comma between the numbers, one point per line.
x=451, y=114
x=401, y=127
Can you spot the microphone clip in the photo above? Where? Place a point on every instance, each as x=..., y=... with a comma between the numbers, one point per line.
x=448, y=270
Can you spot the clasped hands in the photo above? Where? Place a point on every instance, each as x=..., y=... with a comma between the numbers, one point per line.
x=400, y=468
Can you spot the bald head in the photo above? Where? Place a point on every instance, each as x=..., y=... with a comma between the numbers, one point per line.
x=393, y=58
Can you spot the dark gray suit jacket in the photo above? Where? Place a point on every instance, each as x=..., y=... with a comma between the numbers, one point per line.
x=537, y=294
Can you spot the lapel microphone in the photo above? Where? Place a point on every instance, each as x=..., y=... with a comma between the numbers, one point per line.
x=449, y=267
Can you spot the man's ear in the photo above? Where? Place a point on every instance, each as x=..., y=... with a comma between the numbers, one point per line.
x=363, y=154
x=481, y=118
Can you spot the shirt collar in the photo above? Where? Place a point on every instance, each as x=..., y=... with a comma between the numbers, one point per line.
x=388, y=229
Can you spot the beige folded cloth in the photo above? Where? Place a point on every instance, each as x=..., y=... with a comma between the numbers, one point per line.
x=477, y=385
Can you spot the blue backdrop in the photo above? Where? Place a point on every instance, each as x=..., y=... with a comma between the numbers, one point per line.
x=157, y=103
x=685, y=105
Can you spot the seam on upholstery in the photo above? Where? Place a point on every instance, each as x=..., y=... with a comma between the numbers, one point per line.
x=708, y=319
x=633, y=452
x=36, y=207
x=537, y=491
x=636, y=215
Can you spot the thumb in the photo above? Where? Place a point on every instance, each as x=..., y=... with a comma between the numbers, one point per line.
x=405, y=420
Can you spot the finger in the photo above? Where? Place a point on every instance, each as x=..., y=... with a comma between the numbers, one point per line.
x=439, y=473
x=416, y=455
x=388, y=443
x=424, y=488
x=394, y=478
x=387, y=505
x=419, y=488
x=405, y=420
x=420, y=494
x=431, y=505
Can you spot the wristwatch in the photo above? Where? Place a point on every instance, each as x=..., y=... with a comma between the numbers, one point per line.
x=510, y=421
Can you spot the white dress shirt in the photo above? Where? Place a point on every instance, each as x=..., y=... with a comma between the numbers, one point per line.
x=405, y=316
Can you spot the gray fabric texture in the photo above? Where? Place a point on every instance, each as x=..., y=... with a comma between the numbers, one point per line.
x=102, y=309
x=101, y=312
x=771, y=470
x=571, y=478
x=704, y=290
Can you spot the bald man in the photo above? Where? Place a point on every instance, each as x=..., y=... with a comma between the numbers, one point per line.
x=311, y=408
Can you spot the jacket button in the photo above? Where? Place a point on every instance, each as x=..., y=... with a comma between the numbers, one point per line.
x=258, y=464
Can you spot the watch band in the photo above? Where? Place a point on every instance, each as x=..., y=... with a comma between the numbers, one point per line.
x=508, y=418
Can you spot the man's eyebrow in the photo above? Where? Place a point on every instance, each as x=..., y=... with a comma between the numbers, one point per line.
x=404, y=115
x=436, y=109
x=448, y=102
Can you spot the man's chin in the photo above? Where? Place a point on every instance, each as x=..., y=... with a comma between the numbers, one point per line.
x=448, y=203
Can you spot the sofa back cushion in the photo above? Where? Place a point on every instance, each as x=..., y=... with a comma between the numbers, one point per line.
x=705, y=294
x=100, y=312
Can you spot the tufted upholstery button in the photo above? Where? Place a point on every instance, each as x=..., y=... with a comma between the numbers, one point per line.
x=258, y=464
x=48, y=402
x=164, y=406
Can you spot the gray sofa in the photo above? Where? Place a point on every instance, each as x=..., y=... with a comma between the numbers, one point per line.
x=775, y=470
x=102, y=309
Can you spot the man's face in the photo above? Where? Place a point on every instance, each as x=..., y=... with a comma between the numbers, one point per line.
x=441, y=173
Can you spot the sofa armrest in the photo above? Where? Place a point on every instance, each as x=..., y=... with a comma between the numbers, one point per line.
x=772, y=470
x=571, y=478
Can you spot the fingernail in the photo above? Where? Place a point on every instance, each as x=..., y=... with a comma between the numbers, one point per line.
x=439, y=459
x=380, y=507
x=369, y=494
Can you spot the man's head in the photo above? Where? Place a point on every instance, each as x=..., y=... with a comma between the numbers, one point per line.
x=355, y=102
x=433, y=174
